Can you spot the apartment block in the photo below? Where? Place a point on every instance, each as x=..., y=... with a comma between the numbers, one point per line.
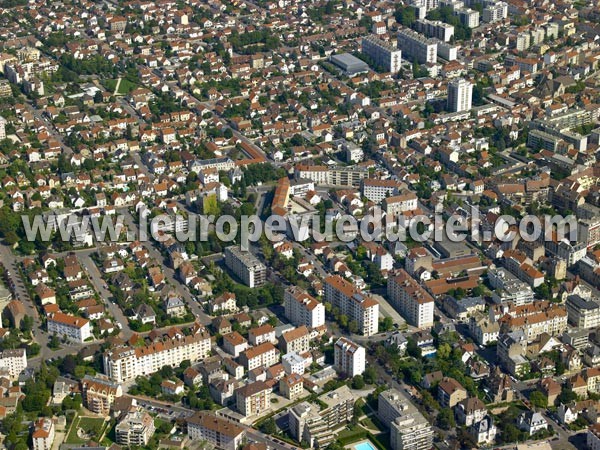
x=296, y=340
x=435, y=29
x=43, y=434
x=541, y=318
x=376, y=190
x=460, y=95
x=495, y=13
x=583, y=313
x=292, y=386
x=253, y=398
x=349, y=357
x=353, y=303
x=334, y=176
x=303, y=309
x=468, y=17
x=74, y=328
x=398, y=204
x=409, y=429
x=99, y=394
x=13, y=362
x=135, y=429
x=223, y=434
x=410, y=299
x=127, y=362
x=263, y=355
x=316, y=425
x=382, y=53
x=416, y=47
x=245, y=266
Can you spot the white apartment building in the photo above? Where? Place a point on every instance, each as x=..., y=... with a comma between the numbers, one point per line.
x=382, y=53
x=468, y=17
x=303, y=309
x=253, y=398
x=354, y=304
x=376, y=190
x=135, y=429
x=43, y=434
x=293, y=363
x=221, y=433
x=417, y=47
x=398, y=204
x=245, y=266
x=460, y=95
x=76, y=329
x=410, y=299
x=409, y=430
x=127, y=363
x=263, y=355
x=495, y=13
x=13, y=362
x=349, y=357
x=435, y=29
x=583, y=313
x=3, y=123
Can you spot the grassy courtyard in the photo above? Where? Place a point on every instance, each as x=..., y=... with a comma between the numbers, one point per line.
x=91, y=426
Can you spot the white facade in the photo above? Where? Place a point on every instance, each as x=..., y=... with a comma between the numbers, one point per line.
x=382, y=53
x=495, y=13
x=416, y=47
x=302, y=309
x=412, y=301
x=357, y=306
x=13, y=362
x=349, y=357
x=460, y=95
x=245, y=266
x=217, y=431
x=74, y=328
x=127, y=363
x=43, y=434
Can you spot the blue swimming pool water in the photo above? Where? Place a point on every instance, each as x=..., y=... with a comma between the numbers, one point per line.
x=364, y=446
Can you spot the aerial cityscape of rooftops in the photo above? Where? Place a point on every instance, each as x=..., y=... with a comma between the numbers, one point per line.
x=292, y=224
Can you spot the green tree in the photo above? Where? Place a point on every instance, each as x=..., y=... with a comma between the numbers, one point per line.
x=538, y=399
x=268, y=426
x=445, y=419
x=358, y=382
x=370, y=375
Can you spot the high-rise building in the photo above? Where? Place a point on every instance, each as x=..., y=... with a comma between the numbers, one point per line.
x=460, y=95
x=302, y=309
x=435, y=29
x=362, y=309
x=410, y=299
x=495, y=13
x=382, y=53
x=349, y=357
x=409, y=430
x=316, y=424
x=135, y=429
x=417, y=47
x=245, y=266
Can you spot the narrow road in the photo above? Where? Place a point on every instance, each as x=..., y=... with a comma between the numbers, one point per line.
x=100, y=285
x=169, y=273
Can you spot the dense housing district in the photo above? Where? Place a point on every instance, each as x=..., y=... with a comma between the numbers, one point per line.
x=118, y=112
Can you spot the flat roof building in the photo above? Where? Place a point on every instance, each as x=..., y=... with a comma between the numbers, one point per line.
x=351, y=65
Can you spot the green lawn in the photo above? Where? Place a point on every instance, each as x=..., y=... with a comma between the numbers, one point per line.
x=125, y=87
x=93, y=426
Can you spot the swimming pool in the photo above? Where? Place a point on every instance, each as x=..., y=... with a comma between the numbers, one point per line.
x=366, y=445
